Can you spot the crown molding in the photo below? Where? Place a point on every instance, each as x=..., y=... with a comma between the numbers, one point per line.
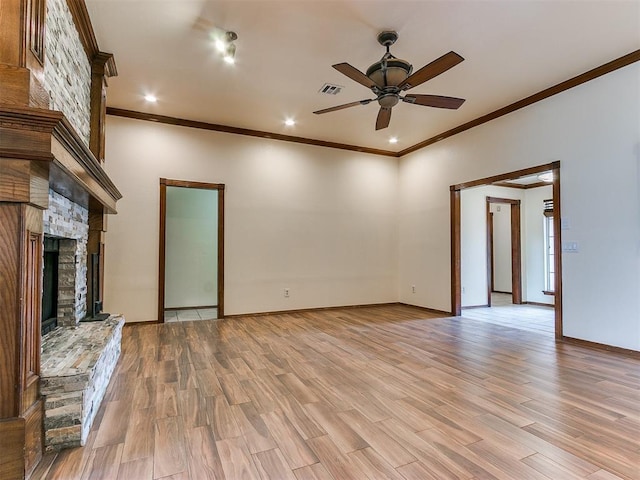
x=119, y=112
x=525, y=102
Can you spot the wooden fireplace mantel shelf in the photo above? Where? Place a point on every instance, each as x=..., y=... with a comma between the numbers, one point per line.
x=41, y=135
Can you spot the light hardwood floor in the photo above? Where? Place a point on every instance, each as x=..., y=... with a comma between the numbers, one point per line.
x=384, y=392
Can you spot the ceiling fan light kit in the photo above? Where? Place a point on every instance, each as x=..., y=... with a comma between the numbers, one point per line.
x=390, y=76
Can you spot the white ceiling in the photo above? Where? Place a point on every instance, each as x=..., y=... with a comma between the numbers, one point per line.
x=285, y=50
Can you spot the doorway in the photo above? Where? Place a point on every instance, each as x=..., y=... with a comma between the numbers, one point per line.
x=456, y=252
x=504, y=262
x=191, y=253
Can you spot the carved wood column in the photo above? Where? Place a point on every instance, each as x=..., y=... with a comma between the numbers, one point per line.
x=25, y=154
x=102, y=66
x=23, y=189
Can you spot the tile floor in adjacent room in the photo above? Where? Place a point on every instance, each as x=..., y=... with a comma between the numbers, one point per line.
x=190, y=315
x=534, y=318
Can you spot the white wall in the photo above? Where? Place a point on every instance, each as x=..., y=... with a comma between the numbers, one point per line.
x=319, y=221
x=191, y=247
x=473, y=241
x=597, y=141
x=533, y=218
x=502, y=279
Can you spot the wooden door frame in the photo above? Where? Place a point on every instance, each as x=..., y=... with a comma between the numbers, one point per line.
x=516, y=249
x=164, y=183
x=456, y=277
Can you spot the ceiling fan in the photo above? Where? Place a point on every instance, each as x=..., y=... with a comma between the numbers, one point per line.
x=391, y=76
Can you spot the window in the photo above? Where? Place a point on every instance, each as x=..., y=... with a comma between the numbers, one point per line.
x=549, y=253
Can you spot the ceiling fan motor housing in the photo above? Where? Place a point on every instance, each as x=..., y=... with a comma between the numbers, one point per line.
x=389, y=72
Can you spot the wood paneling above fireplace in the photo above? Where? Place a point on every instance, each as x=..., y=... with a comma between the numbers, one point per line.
x=31, y=137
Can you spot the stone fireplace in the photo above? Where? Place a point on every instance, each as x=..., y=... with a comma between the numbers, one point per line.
x=54, y=198
x=77, y=358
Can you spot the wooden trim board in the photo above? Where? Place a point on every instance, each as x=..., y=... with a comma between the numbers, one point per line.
x=120, y=112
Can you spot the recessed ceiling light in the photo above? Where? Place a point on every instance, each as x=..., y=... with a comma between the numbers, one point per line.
x=546, y=177
x=393, y=140
x=289, y=122
x=150, y=98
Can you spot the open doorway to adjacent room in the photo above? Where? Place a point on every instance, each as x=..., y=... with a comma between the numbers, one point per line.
x=191, y=260
x=506, y=255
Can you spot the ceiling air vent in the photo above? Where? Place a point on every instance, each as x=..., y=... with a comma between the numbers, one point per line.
x=330, y=89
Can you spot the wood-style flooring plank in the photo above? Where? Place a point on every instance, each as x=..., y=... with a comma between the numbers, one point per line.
x=383, y=444
x=233, y=389
x=291, y=444
x=236, y=459
x=202, y=454
x=313, y=472
x=169, y=456
x=221, y=418
x=373, y=465
x=440, y=464
x=140, y=438
x=140, y=469
x=271, y=464
x=252, y=428
x=103, y=463
x=340, y=432
x=337, y=464
x=115, y=419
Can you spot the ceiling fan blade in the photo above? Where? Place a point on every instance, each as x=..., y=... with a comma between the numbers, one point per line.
x=437, y=101
x=384, y=117
x=354, y=74
x=433, y=69
x=340, y=107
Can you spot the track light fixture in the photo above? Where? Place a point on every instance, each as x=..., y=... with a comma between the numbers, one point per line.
x=224, y=44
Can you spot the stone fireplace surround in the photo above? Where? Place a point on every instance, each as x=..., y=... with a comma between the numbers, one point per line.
x=69, y=222
x=77, y=359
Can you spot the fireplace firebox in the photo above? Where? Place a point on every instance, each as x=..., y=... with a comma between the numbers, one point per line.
x=50, y=284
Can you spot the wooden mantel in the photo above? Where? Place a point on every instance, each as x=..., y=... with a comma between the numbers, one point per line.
x=40, y=135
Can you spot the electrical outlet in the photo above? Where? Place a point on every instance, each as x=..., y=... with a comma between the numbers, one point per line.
x=286, y=293
x=413, y=289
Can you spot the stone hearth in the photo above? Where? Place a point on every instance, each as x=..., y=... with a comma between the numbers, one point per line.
x=77, y=364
